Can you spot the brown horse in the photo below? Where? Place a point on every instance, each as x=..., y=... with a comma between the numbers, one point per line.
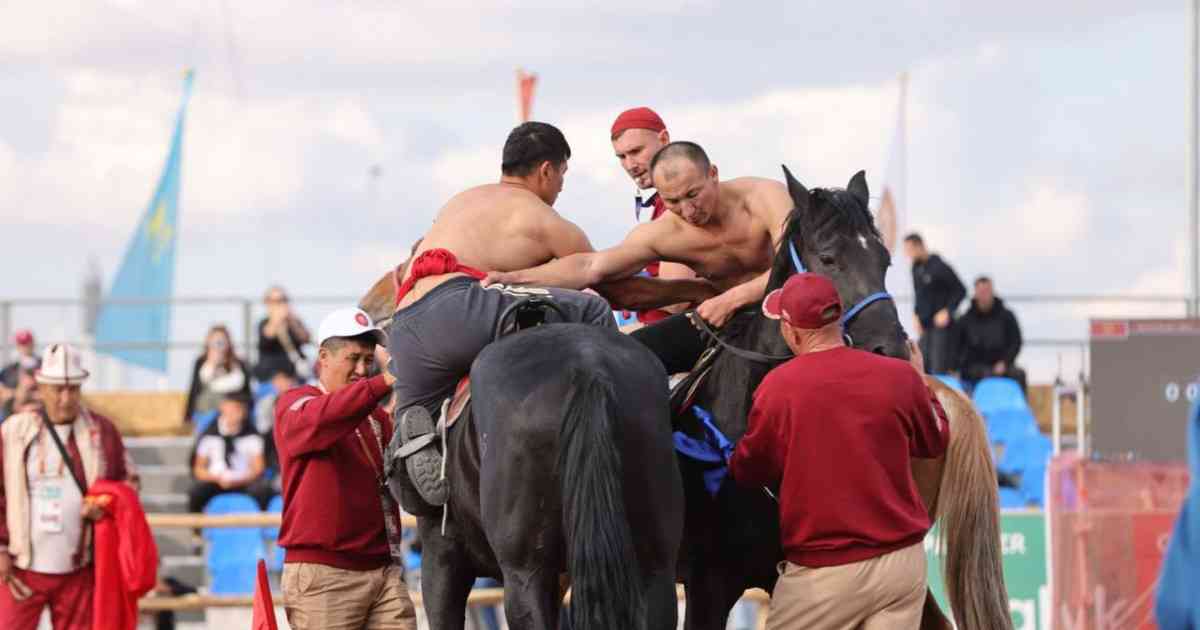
x=732, y=539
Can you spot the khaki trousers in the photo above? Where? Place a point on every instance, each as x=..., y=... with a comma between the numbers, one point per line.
x=884, y=593
x=319, y=597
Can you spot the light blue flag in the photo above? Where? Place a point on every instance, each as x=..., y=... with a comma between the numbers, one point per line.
x=148, y=271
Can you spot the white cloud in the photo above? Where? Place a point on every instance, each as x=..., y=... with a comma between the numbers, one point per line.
x=111, y=135
x=823, y=134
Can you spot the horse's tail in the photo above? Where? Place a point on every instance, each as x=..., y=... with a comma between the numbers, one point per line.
x=969, y=515
x=606, y=586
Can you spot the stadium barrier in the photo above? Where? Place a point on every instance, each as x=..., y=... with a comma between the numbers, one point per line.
x=1108, y=525
x=199, y=602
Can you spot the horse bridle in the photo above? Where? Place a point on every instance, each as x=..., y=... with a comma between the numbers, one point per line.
x=759, y=357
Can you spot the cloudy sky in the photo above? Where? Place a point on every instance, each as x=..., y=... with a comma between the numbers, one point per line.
x=1047, y=140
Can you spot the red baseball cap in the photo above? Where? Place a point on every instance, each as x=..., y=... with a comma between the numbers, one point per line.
x=637, y=118
x=23, y=338
x=807, y=300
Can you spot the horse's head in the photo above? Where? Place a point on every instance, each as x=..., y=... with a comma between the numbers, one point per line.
x=834, y=234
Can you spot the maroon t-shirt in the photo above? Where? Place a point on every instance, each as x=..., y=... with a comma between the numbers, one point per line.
x=833, y=431
x=332, y=513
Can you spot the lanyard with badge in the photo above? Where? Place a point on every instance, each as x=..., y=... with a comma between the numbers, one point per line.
x=390, y=509
x=50, y=514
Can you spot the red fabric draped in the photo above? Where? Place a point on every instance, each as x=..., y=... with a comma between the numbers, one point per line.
x=126, y=558
x=434, y=262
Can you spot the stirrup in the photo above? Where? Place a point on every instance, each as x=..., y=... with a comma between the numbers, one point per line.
x=421, y=458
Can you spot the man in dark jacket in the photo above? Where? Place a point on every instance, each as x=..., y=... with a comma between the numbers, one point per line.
x=938, y=293
x=989, y=338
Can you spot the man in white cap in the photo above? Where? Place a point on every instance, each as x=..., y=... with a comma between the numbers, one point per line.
x=49, y=459
x=341, y=527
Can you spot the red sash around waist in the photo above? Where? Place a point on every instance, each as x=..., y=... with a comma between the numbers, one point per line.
x=434, y=262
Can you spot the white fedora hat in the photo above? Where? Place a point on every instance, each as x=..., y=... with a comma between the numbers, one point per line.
x=61, y=365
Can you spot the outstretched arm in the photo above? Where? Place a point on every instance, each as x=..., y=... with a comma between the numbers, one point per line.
x=640, y=293
x=585, y=269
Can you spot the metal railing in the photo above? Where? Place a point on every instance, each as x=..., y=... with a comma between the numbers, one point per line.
x=1053, y=320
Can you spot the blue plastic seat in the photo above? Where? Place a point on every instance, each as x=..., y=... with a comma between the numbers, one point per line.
x=996, y=393
x=271, y=536
x=1005, y=426
x=951, y=381
x=1011, y=498
x=1030, y=456
x=233, y=552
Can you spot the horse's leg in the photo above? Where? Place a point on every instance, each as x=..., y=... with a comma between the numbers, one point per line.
x=446, y=577
x=662, y=604
x=711, y=594
x=531, y=598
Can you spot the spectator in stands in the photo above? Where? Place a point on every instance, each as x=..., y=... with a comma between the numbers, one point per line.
x=938, y=294
x=27, y=360
x=989, y=338
x=48, y=462
x=264, y=417
x=229, y=457
x=281, y=336
x=217, y=371
x=282, y=379
x=344, y=565
x=24, y=397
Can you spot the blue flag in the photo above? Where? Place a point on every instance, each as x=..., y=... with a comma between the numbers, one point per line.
x=136, y=313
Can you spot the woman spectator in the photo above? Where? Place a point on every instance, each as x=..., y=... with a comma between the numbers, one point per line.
x=281, y=336
x=217, y=372
x=229, y=457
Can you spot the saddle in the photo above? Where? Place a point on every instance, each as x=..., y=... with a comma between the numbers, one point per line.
x=683, y=394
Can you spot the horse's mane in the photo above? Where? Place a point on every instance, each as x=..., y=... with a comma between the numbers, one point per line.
x=832, y=213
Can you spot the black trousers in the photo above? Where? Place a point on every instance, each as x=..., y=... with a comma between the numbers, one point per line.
x=202, y=492
x=937, y=345
x=972, y=374
x=675, y=341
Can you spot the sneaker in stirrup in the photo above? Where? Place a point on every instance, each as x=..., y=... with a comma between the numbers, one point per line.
x=419, y=452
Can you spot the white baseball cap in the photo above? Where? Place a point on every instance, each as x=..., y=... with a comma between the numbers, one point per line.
x=348, y=322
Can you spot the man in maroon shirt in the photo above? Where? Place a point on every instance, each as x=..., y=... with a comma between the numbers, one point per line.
x=341, y=528
x=832, y=432
x=637, y=135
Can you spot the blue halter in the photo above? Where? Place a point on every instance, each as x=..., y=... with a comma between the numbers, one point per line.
x=855, y=310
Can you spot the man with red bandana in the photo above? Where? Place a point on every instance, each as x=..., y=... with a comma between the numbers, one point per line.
x=637, y=135
x=725, y=230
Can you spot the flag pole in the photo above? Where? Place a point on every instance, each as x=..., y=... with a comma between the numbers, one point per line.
x=903, y=175
x=1194, y=163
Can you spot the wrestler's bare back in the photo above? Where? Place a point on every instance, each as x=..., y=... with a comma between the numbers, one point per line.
x=494, y=227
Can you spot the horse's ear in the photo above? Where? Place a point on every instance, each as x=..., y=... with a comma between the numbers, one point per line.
x=858, y=188
x=797, y=190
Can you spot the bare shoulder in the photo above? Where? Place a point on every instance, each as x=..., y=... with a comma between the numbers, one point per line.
x=764, y=198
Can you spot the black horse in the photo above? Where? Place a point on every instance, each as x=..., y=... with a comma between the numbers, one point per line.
x=732, y=539
x=565, y=454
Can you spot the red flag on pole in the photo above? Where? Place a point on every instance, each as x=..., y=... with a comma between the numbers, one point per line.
x=525, y=84
x=263, y=617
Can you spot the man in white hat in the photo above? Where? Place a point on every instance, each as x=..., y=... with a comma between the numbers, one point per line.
x=49, y=459
x=341, y=527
